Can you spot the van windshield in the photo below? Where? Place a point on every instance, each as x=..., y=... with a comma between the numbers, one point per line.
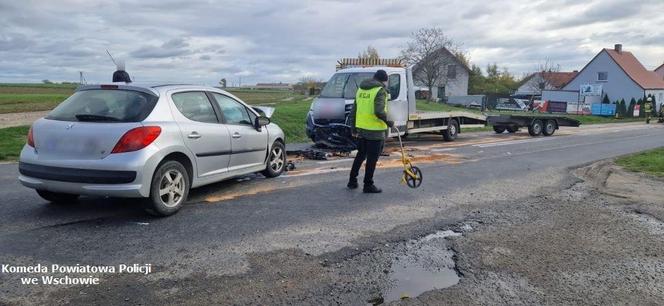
x=344, y=85
x=104, y=105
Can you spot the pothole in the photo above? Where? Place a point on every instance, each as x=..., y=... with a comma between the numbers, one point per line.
x=425, y=264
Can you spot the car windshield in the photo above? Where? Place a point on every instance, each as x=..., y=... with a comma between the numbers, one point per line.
x=344, y=85
x=104, y=105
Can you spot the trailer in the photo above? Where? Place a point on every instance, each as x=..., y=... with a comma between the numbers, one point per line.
x=537, y=124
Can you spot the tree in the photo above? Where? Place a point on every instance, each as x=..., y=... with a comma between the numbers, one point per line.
x=539, y=80
x=431, y=52
x=621, y=108
x=642, y=113
x=370, y=53
x=606, y=100
x=476, y=81
x=47, y=82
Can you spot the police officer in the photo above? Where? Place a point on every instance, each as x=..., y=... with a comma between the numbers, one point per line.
x=370, y=124
x=648, y=109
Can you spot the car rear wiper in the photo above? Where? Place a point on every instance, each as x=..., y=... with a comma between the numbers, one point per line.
x=89, y=117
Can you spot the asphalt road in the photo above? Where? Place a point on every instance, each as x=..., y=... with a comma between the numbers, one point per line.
x=227, y=226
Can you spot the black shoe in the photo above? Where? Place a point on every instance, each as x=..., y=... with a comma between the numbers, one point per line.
x=352, y=184
x=372, y=189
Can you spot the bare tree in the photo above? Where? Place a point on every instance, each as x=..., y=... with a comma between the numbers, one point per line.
x=540, y=80
x=370, y=53
x=432, y=53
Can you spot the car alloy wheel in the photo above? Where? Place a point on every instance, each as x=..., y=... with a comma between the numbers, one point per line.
x=277, y=159
x=172, y=188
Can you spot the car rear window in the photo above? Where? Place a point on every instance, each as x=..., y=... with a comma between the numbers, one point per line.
x=105, y=105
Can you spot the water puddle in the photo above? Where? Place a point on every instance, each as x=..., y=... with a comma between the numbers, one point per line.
x=427, y=264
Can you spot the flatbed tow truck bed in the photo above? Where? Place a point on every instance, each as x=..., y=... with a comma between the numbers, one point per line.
x=536, y=124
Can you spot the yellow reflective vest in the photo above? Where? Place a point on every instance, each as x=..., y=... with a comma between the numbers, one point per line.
x=365, y=116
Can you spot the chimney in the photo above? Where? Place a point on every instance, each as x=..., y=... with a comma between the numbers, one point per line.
x=618, y=48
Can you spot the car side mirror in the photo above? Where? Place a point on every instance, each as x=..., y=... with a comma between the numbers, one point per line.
x=261, y=121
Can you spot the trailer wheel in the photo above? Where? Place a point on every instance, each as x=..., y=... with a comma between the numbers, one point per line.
x=535, y=128
x=499, y=129
x=512, y=129
x=452, y=131
x=549, y=128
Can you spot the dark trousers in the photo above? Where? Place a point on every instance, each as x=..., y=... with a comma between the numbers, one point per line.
x=368, y=150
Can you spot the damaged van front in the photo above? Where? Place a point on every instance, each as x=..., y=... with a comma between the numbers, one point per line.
x=327, y=120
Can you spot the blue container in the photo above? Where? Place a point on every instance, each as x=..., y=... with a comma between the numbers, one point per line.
x=600, y=109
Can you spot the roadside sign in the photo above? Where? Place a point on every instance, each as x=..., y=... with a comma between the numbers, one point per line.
x=637, y=109
x=590, y=90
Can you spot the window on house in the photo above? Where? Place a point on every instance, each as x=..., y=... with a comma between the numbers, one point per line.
x=602, y=76
x=451, y=71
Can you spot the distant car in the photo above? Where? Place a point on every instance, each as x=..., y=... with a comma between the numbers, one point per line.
x=153, y=142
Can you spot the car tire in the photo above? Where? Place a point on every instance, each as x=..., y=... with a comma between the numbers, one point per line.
x=450, y=134
x=535, y=128
x=276, y=160
x=58, y=197
x=169, y=189
x=512, y=129
x=549, y=128
x=499, y=129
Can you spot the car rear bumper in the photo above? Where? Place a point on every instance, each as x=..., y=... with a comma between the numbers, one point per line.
x=117, y=175
x=131, y=190
x=73, y=175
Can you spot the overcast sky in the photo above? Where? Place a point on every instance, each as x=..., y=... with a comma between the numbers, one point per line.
x=271, y=41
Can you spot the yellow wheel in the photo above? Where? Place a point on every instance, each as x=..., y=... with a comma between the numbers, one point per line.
x=413, y=180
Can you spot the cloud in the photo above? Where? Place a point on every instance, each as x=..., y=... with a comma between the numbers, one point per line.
x=280, y=40
x=171, y=48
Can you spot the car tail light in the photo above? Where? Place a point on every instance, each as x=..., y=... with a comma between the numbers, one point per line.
x=31, y=138
x=136, y=139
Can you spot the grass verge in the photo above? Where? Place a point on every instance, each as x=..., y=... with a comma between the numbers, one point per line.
x=650, y=162
x=11, y=142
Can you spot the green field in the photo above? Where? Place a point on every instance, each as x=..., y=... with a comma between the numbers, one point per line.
x=11, y=141
x=650, y=162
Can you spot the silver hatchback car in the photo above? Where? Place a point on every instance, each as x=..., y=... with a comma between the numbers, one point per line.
x=154, y=142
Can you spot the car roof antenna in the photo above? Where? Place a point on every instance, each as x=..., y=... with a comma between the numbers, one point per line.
x=120, y=75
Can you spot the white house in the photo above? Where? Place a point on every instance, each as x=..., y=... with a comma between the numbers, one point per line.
x=620, y=75
x=452, y=78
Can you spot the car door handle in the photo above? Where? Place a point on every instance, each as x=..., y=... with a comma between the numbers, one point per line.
x=194, y=135
x=236, y=135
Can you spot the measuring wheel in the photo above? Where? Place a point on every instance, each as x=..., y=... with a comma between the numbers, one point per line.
x=414, y=178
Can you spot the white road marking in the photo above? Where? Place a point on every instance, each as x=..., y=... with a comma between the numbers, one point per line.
x=443, y=150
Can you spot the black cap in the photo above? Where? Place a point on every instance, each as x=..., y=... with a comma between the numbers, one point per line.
x=380, y=76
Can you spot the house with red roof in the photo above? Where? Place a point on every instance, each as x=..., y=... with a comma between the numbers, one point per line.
x=660, y=71
x=534, y=84
x=618, y=73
